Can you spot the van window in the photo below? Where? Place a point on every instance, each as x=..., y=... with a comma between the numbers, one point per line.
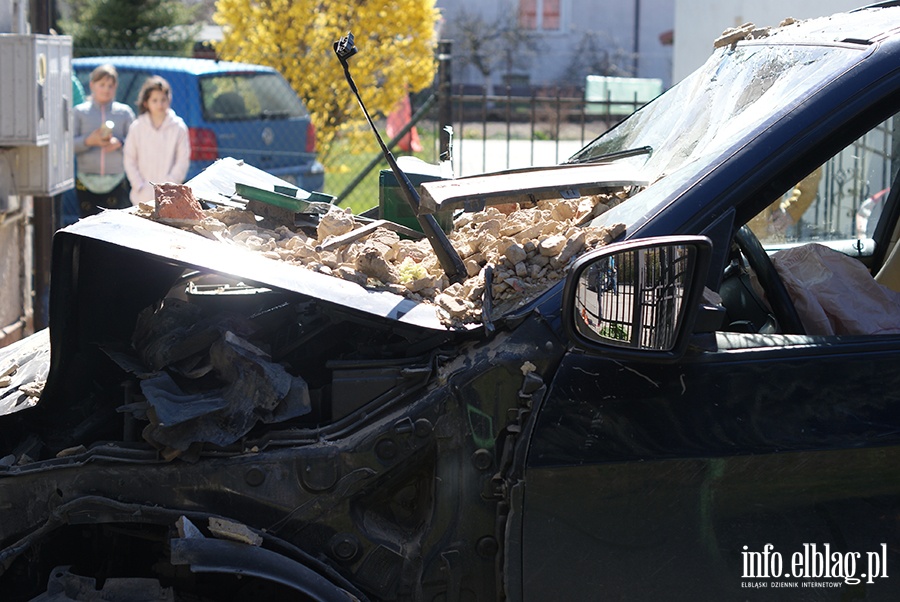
x=245, y=96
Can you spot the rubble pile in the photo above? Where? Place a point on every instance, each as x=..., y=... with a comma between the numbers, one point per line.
x=527, y=245
x=175, y=202
x=748, y=31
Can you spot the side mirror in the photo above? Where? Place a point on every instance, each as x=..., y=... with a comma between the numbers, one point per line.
x=637, y=298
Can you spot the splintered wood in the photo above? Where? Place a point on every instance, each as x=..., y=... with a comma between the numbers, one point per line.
x=528, y=245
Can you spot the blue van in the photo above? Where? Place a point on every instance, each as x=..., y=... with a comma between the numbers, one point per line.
x=239, y=110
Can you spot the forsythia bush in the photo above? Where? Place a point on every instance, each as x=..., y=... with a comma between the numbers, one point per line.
x=396, y=41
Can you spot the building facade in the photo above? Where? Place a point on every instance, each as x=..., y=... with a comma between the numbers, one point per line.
x=558, y=42
x=699, y=22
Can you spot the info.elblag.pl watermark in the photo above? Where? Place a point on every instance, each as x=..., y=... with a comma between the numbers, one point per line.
x=813, y=566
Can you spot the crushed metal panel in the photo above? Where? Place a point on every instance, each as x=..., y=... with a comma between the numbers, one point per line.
x=255, y=390
x=565, y=181
x=217, y=183
x=24, y=366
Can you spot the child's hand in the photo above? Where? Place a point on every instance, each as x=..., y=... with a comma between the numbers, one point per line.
x=99, y=137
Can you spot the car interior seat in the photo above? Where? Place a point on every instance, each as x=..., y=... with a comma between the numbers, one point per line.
x=889, y=272
x=229, y=104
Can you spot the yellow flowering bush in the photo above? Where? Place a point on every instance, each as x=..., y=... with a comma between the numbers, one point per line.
x=396, y=41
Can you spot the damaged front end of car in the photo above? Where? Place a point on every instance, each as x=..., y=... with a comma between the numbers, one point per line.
x=218, y=424
x=266, y=397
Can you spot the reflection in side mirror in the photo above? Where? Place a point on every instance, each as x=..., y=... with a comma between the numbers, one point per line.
x=637, y=295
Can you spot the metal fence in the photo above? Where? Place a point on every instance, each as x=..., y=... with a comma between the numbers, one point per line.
x=536, y=125
x=493, y=129
x=854, y=184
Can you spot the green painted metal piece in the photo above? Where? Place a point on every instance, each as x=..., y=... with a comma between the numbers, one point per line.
x=282, y=197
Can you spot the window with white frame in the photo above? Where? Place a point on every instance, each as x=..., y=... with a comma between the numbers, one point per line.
x=540, y=14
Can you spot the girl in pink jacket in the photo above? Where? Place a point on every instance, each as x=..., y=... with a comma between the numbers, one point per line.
x=158, y=147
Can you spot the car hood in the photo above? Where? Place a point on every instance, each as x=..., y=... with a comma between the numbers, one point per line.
x=112, y=268
x=169, y=246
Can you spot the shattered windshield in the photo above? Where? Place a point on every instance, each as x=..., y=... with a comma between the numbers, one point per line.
x=698, y=120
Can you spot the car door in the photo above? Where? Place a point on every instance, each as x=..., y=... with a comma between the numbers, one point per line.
x=758, y=466
x=654, y=481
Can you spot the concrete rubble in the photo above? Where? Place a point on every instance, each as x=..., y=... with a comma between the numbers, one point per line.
x=528, y=245
x=747, y=31
x=176, y=202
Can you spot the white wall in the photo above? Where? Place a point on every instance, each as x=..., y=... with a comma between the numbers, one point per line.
x=657, y=17
x=699, y=22
x=14, y=16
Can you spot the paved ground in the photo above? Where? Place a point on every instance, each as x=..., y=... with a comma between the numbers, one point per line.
x=481, y=148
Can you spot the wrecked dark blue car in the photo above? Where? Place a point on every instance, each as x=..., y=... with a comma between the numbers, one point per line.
x=718, y=421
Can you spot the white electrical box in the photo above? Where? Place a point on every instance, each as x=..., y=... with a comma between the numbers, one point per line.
x=36, y=111
x=39, y=171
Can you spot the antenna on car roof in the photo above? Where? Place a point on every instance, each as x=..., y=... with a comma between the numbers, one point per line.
x=450, y=260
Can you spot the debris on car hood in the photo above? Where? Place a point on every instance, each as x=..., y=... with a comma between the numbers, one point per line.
x=527, y=243
x=204, y=379
x=176, y=202
x=207, y=376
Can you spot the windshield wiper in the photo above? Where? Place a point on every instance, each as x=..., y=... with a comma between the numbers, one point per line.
x=613, y=156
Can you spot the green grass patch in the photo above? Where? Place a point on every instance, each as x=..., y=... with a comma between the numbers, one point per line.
x=615, y=332
x=364, y=195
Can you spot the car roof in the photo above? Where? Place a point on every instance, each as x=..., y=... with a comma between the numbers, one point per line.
x=169, y=63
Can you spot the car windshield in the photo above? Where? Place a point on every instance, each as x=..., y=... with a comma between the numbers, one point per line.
x=716, y=108
x=247, y=95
